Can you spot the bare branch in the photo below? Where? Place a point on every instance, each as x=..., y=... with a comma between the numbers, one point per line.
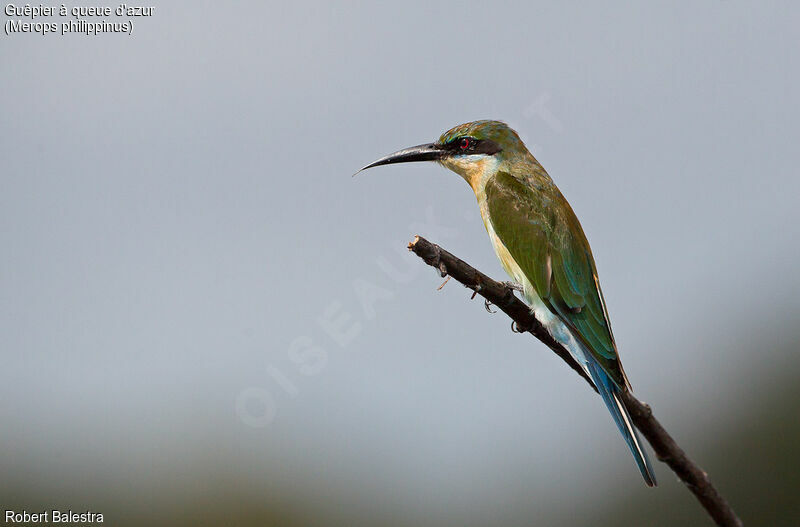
x=502, y=296
x=497, y=293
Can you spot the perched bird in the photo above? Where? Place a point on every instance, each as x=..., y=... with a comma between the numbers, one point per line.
x=541, y=244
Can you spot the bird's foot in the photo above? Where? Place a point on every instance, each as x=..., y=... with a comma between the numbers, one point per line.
x=515, y=286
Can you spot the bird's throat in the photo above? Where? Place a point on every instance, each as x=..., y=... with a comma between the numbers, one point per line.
x=474, y=169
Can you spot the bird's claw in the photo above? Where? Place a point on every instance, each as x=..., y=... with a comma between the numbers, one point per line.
x=515, y=328
x=515, y=286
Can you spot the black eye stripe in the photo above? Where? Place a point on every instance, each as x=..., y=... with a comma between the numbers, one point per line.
x=487, y=147
x=476, y=146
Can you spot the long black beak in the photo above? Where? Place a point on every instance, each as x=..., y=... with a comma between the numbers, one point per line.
x=428, y=152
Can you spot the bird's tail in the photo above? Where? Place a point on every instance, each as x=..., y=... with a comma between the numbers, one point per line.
x=610, y=394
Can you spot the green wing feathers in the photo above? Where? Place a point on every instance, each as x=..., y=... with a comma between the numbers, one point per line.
x=543, y=235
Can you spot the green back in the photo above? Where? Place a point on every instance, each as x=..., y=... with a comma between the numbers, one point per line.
x=543, y=235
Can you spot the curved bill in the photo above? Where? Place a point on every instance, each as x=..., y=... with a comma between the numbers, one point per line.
x=427, y=152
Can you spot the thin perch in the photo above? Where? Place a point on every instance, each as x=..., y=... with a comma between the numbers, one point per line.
x=502, y=295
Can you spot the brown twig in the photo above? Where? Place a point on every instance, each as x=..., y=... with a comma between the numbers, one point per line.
x=502, y=296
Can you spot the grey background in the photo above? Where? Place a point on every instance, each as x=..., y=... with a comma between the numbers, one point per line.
x=176, y=211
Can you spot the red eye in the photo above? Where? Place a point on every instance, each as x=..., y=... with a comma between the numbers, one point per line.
x=465, y=143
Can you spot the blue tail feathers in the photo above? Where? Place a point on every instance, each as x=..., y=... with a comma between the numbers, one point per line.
x=610, y=394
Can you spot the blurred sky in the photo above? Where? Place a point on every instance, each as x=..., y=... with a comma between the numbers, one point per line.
x=178, y=219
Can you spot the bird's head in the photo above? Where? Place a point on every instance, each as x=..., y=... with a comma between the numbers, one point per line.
x=469, y=149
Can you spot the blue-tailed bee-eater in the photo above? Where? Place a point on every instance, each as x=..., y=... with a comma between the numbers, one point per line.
x=542, y=246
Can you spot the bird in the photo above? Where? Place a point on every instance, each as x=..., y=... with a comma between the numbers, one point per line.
x=542, y=246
